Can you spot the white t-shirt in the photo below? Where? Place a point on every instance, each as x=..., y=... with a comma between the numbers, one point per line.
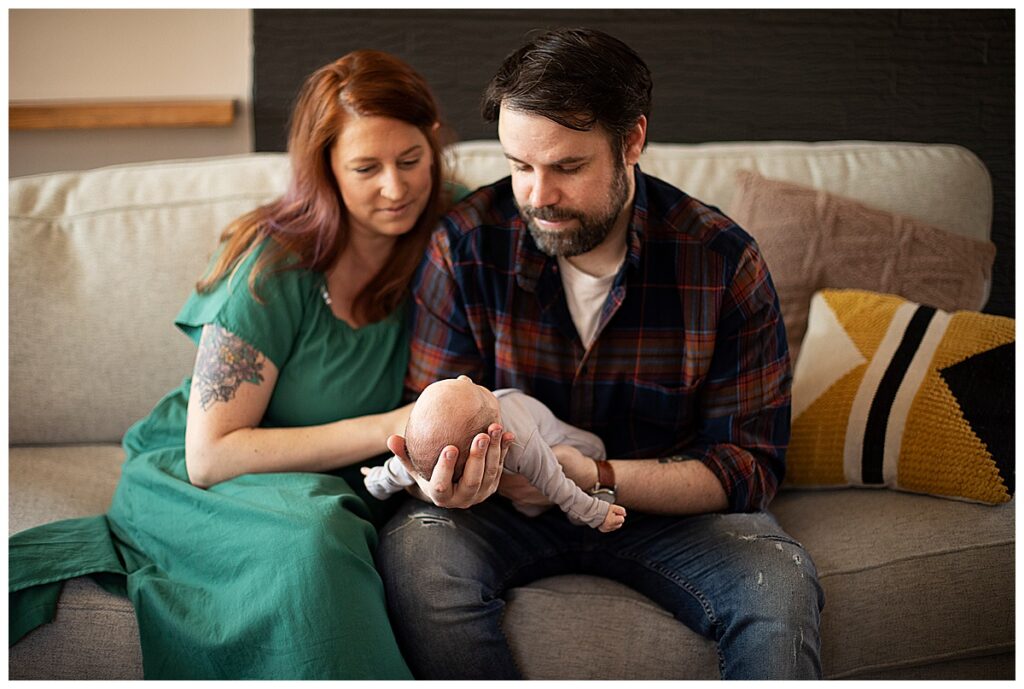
x=585, y=294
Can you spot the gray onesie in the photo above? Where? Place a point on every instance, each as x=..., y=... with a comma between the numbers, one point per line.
x=537, y=430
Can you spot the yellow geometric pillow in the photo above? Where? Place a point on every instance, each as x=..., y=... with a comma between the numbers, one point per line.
x=889, y=393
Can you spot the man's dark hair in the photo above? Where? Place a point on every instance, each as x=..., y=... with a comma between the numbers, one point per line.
x=576, y=77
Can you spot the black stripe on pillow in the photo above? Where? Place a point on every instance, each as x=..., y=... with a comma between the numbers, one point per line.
x=878, y=416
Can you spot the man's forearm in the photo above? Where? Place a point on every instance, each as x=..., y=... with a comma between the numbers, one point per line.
x=674, y=487
x=669, y=486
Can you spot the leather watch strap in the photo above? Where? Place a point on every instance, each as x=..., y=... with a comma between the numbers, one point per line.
x=605, y=475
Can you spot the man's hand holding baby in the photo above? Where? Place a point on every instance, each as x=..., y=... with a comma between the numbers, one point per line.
x=480, y=474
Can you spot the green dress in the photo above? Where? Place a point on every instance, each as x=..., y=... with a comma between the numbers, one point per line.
x=265, y=576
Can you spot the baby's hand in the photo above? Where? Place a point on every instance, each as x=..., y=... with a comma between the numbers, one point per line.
x=614, y=519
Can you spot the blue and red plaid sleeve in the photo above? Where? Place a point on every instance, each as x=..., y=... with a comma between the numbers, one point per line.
x=745, y=403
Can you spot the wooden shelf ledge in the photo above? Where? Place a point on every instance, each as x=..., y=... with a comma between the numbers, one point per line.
x=120, y=114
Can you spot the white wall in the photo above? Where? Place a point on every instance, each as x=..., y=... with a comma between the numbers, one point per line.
x=126, y=55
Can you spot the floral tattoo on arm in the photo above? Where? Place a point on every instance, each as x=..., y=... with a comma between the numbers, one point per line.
x=223, y=362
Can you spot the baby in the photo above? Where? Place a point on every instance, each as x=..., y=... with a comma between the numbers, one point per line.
x=459, y=408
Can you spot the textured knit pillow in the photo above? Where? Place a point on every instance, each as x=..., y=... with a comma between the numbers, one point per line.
x=891, y=393
x=814, y=240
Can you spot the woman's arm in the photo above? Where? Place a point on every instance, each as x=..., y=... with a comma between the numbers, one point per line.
x=231, y=387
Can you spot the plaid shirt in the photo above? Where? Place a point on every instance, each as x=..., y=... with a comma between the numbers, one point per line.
x=690, y=359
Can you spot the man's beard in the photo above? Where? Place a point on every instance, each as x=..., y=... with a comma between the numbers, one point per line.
x=592, y=228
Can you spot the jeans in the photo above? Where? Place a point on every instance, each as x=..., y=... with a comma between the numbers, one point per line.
x=737, y=579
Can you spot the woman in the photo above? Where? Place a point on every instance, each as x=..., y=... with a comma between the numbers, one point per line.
x=243, y=559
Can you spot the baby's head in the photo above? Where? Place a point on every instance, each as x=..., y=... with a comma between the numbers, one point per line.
x=448, y=412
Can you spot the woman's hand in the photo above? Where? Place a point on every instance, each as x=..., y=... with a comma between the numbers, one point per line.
x=480, y=475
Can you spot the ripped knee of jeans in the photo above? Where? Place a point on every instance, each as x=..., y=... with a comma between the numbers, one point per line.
x=426, y=519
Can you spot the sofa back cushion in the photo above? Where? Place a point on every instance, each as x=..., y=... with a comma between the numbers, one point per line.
x=101, y=260
x=940, y=184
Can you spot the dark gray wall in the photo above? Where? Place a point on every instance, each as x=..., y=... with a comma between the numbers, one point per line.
x=719, y=75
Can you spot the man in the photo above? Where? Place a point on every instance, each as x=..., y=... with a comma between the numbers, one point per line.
x=636, y=312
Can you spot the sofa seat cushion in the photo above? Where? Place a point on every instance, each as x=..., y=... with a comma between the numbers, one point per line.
x=628, y=636
x=48, y=483
x=94, y=636
x=913, y=584
x=909, y=579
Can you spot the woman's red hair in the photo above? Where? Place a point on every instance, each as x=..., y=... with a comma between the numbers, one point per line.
x=309, y=221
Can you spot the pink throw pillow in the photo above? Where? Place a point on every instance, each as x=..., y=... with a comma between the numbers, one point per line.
x=815, y=240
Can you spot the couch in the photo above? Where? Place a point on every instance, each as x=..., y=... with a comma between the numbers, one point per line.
x=916, y=586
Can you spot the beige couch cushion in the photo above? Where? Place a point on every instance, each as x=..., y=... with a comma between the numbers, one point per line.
x=872, y=549
x=94, y=636
x=87, y=360
x=627, y=635
x=905, y=178
x=100, y=263
x=47, y=484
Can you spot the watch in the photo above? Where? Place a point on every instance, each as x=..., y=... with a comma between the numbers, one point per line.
x=604, y=489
